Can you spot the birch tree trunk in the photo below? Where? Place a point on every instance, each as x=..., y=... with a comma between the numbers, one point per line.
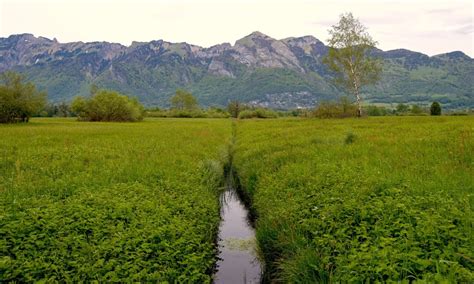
x=359, y=107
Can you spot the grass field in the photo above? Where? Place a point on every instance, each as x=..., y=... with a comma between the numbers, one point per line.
x=110, y=201
x=352, y=200
x=355, y=200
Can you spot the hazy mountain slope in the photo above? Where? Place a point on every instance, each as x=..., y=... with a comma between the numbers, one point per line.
x=258, y=69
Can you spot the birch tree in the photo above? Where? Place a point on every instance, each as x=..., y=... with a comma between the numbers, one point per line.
x=348, y=56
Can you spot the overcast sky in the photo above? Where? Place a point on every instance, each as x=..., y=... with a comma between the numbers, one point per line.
x=431, y=27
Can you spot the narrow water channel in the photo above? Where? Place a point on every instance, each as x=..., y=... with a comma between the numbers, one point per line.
x=238, y=262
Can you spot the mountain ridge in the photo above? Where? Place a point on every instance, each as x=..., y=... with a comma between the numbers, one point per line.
x=281, y=73
x=218, y=44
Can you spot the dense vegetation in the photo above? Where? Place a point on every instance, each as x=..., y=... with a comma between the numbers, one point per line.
x=110, y=202
x=331, y=109
x=106, y=105
x=353, y=200
x=257, y=113
x=19, y=99
x=183, y=100
x=435, y=108
x=377, y=199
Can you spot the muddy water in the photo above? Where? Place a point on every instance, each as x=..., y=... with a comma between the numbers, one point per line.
x=238, y=261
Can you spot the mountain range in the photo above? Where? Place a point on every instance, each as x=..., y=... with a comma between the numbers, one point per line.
x=257, y=69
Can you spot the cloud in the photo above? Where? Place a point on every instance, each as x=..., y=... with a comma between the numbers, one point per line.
x=440, y=11
x=465, y=29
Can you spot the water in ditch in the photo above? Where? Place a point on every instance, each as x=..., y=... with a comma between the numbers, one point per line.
x=238, y=262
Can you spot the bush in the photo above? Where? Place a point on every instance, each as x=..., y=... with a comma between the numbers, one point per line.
x=373, y=110
x=257, y=113
x=350, y=138
x=197, y=113
x=402, y=109
x=213, y=112
x=56, y=110
x=341, y=109
x=417, y=110
x=107, y=105
x=458, y=113
x=235, y=107
x=19, y=100
x=435, y=108
x=183, y=100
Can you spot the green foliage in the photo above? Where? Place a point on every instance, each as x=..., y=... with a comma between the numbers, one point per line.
x=196, y=113
x=183, y=101
x=19, y=100
x=330, y=109
x=348, y=56
x=373, y=110
x=350, y=138
x=257, y=113
x=105, y=105
x=56, y=110
x=435, y=108
x=234, y=108
x=336, y=200
x=402, y=108
x=333, y=212
x=110, y=202
x=416, y=109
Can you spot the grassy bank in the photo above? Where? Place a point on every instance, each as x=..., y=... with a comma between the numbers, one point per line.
x=110, y=201
x=375, y=199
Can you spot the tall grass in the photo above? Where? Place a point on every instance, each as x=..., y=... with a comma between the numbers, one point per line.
x=110, y=202
x=353, y=200
x=390, y=201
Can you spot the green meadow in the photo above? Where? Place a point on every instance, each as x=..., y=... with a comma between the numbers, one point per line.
x=335, y=200
x=110, y=201
x=361, y=200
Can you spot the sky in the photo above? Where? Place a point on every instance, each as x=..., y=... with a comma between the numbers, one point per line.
x=431, y=27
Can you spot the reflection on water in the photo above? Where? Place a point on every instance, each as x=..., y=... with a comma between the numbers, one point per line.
x=238, y=261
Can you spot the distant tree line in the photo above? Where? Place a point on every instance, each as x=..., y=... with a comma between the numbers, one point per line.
x=61, y=109
x=20, y=100
x=184, y=105
x=344, y=108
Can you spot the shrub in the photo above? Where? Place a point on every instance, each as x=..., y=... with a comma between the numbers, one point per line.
x=235, y=107
x=416, y=109
x=257, y=113
x=435, y=108
x=183, y=100
x=56, y=110
x=402, y=108
x=341, y=109
x=19, y=100
x=350, y=138
x=458, y=113
x=107, y=105
x=373, y=110
x=214, y=112
x=186, y=113
x=197, y=113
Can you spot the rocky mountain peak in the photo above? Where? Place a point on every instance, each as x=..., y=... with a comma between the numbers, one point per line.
x=257, y=68
x=260, y=50
x=253, y=39
x=309, y=39
x=455, y=55
x=308, y=45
